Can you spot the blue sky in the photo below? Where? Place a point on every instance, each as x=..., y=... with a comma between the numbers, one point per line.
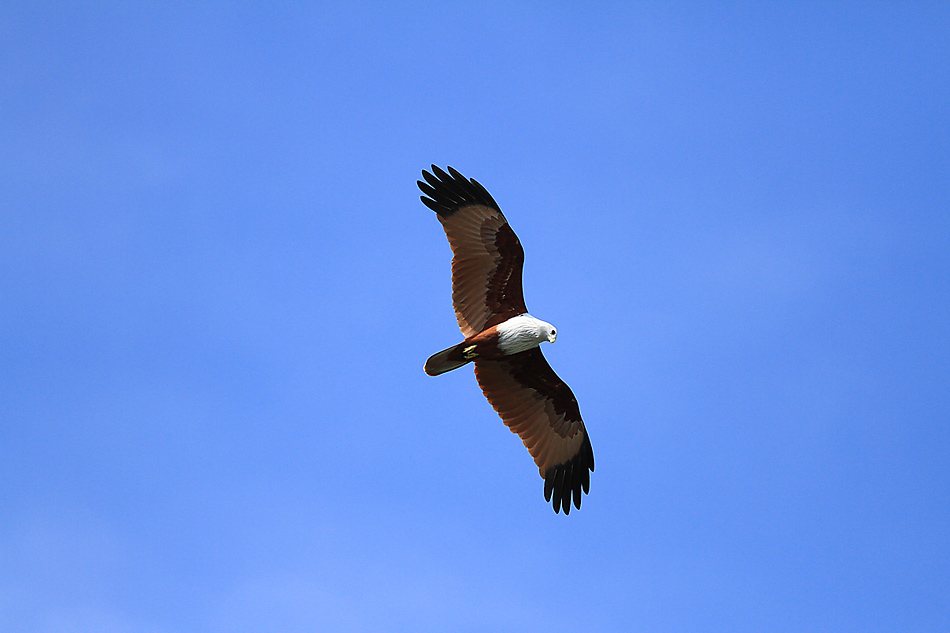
x=218, y=287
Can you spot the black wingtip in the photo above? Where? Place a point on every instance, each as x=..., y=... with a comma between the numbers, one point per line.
x=449, y=192
x=566, y=482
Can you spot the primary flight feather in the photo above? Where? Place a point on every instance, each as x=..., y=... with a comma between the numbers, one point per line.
x=503, y=340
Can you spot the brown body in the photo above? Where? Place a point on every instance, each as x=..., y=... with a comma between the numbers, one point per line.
x=482, y=345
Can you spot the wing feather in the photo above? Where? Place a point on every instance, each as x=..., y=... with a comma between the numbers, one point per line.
x=487, y=256
x=537, y=405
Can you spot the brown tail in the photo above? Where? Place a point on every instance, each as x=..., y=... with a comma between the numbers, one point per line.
x=446, y=360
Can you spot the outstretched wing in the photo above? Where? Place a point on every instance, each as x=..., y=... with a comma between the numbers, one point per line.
x=540, y=407
x=487, y=256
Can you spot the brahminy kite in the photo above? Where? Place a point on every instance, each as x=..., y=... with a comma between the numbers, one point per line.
x=504, y=340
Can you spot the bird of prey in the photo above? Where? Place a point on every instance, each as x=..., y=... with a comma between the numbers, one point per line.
x=503, y=340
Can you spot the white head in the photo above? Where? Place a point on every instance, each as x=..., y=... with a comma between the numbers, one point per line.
x=548, y=331
x=523, y=332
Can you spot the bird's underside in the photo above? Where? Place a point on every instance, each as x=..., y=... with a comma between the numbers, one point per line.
x=502, y=339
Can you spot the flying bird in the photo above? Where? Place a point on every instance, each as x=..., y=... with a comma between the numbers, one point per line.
x=503, y=340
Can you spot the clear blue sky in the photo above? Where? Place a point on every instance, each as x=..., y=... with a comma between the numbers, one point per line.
x=218, y=287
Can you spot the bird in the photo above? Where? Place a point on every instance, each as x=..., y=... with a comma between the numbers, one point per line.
x=503, y=340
